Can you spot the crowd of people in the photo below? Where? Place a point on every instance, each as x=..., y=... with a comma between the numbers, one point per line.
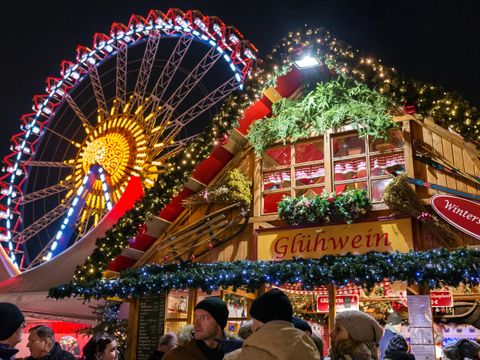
x=273, y=333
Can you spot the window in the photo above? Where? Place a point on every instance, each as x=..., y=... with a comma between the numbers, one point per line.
x=362, y=164
x=356, y=163
x=292, y=170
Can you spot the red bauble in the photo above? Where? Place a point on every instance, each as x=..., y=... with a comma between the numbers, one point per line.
x=142, y=228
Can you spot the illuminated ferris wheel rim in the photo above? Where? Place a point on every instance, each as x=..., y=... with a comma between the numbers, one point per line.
x=228, y=41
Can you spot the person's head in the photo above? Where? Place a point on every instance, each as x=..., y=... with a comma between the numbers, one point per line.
x=301, y=324
x=40, y=341
x=245, y=330
x=273, y=305
x=101, y=347
x=167, y=342
x=210, y=318
x=13, y=323
x=357, y=326
x=463, y=349
x=396, y=344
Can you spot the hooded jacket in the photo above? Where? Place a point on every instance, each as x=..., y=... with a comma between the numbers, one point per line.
x=277, y=340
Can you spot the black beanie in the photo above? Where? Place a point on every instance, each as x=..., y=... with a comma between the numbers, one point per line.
x=11, y=319
x=301, y=324
x=215, y=307
x=273, y=305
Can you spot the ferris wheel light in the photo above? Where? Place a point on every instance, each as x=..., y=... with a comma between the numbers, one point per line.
x=306, y=62
x=54, y=245
x=233, y=38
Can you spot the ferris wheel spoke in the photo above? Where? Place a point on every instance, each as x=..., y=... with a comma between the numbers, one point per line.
x=43, y=193
x=98, y=91
x=84, y=219
x=168, y=73
x=53, y=164
x=121, y=76
x=70, y=141
x=80, y=115
x=201, y=106
x=170, y=150
x=41, y=257
x=202, y=68
x=146, y=67
x=42, y=223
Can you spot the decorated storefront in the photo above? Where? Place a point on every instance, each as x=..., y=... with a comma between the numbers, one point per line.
x=342, y=183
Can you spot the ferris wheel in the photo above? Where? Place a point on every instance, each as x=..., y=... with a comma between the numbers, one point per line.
x=126, y=106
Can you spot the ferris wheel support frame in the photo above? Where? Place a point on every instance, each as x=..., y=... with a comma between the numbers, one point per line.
x=227, y=41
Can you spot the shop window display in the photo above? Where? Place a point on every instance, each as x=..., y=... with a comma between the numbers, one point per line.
x=292, y=170
x=357, y=163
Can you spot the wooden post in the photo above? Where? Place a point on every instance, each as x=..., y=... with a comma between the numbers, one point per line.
x=331, y=305
x=132, y=332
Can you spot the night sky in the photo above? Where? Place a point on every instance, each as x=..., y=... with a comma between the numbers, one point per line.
x=433, y=41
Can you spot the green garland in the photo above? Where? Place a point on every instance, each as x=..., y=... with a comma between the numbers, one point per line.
x=326, y=208
x=450, y=109
x=434, y=268
x=236, y=189
x=331, y=105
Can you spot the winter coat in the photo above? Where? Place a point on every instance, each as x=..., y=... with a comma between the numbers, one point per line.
x=363, y=351
x=197, y=350
x=277, y=340
x=398, y=355
x=156, y=355
x=56, y=353
x=7, y=353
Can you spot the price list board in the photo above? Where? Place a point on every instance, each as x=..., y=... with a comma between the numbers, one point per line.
x=151, y=322
x=420, y=327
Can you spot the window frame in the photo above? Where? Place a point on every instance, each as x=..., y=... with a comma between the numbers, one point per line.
x=328, y=163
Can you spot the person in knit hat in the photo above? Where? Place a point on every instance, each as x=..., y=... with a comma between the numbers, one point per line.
x=12, y=322
x=355, y=336
x=462, y=349
x=209, y=342
x=274, y=336
x=397, y=349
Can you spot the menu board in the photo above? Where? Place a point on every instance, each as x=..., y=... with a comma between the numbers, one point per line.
x=420, y=327
x=151, y=321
